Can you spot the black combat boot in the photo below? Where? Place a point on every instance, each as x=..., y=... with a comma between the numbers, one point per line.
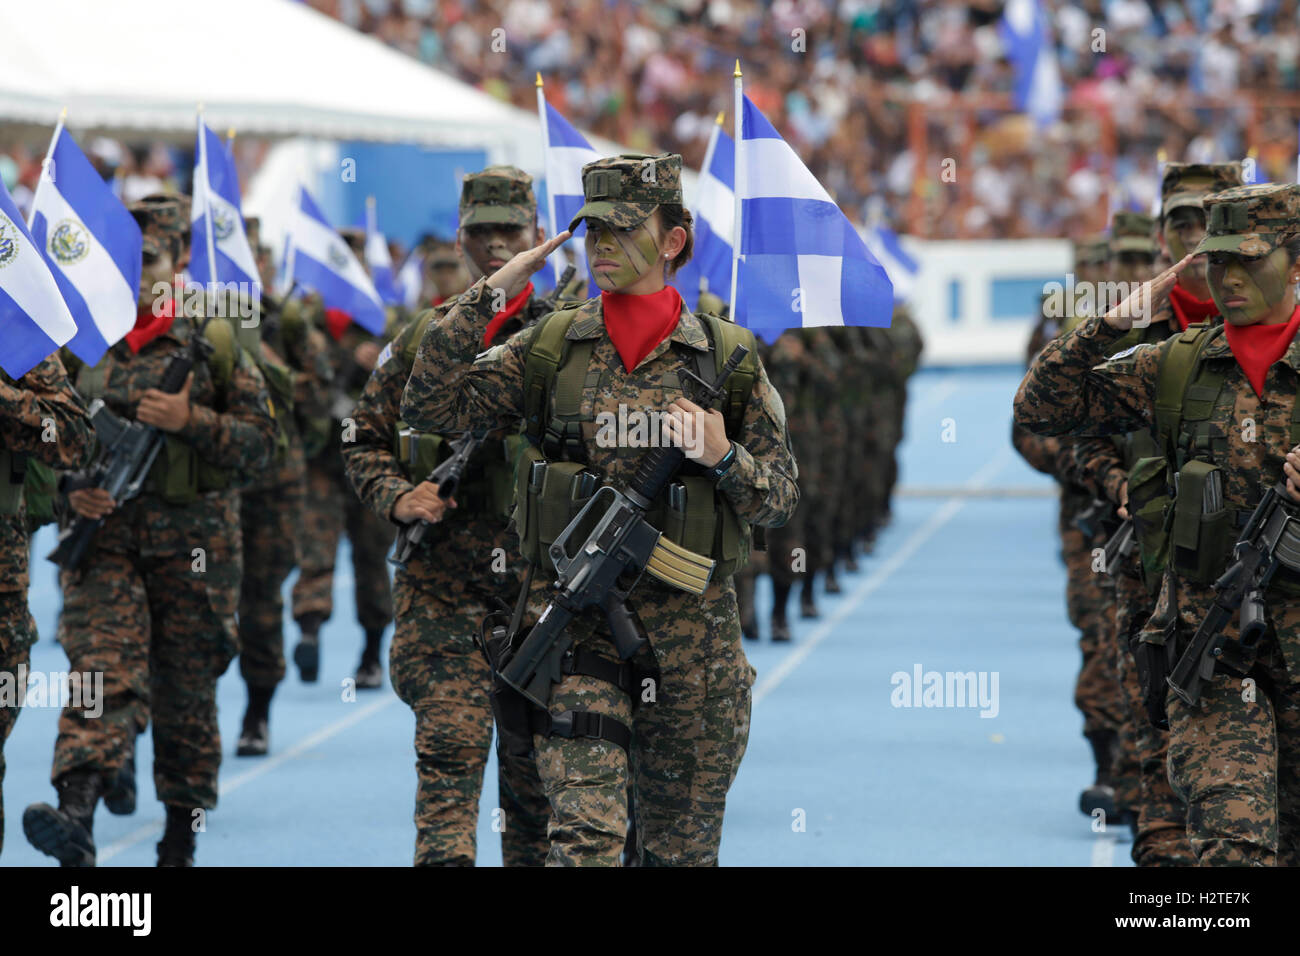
x=780, y=627
x=1101, y=795
x=176, y=848
x=255, y=737
x=745, y=601
x=370, y=675
x=807, y=600
x=120, y=797
x=832, y=582
x=67, y=834
x=307, y=654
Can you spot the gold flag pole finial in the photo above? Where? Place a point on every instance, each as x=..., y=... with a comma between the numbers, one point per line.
x=539, y=79
x=722, y=115
x=737, y=73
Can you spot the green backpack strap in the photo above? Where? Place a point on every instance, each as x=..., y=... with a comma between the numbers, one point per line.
x=725, y=337
x=546, y=352
x=1177, y=367
x=415, y=336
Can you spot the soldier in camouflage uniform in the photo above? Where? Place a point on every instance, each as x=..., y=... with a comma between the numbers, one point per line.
x=905, y=335
x=41, y=418
x=292, y=359
x=333, y=508
x=466, y=565
x=152, y=605
x=1230, y=752
x=688, y=732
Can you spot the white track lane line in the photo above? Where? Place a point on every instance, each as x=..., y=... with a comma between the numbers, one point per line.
x=309, y=742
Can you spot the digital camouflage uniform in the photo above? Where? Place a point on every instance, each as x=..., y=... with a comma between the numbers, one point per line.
x=465, y=566
x=1232, y=757
x=37, y=406
x=688, y=741
x=152, y=605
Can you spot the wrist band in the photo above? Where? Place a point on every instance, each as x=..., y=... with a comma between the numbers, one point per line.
x=721, y=467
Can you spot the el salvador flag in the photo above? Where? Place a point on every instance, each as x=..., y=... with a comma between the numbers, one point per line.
x=379, y=261
x=802, y=263
x=1028, y=38
x=715, y=225
x=567, y=151
x=410, y=279
x=899, y=265
x=235, y=260
x=93, y=247
x=34, y=319
x=321, y=260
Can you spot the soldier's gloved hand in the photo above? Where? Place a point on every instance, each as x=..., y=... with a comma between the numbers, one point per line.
x=701, y=434
x=92, y=503
x=1141, y=303
x=1291, y=468
x=421, y=504
x=515, y=274
x=165, y=411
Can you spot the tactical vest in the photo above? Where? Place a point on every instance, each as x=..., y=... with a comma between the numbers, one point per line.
x=553, y=482
x=488, y=485
x=13, y=469
x=179, y=474
x=1198, y=523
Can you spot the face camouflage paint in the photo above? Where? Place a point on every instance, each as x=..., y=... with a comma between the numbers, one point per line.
x=632, y=251
x=1260, y=282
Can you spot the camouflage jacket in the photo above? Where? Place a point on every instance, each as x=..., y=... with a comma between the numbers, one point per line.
x=41, y=396
x=1075, y=389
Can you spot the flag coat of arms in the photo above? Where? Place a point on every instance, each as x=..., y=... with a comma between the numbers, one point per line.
x=319, y=259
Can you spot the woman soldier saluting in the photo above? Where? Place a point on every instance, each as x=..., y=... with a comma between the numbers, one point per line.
x=1222, y=402
x=620, y=357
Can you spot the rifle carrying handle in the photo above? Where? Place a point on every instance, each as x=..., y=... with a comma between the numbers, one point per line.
x=178, y=369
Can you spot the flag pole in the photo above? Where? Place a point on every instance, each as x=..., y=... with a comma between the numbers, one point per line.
x=740, y=192
x=546, y=165
x=293, y=245
x=372, y=223
x=45, y=164
x=207, y=208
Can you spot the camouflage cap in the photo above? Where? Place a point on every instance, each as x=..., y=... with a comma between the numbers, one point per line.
x=1133, y=232
x=164, y=221
x=444, y=257
x=1092, y=250
x=624, y=190
x=1187, y=184
x=1251, y=220
x=500, y=195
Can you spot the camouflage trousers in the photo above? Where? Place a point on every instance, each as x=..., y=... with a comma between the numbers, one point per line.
x=271, y=519
x=1090, y=603
x=686, y=748
x=161, y=633
x=437, y=669
x=787, y=548
x=332, y=507
x=1162, y=817
x=1235, y=760
x=17, y=634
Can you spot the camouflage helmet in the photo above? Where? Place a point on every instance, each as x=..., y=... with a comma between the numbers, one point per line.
x=1187, y=184
x=164, y=221
x=1133, y=232
x=624, y=190
x=499, y=195
x=1251, y=220
x=1091, y=250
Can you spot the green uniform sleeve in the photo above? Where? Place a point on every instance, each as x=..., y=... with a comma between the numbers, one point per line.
x=761, y=481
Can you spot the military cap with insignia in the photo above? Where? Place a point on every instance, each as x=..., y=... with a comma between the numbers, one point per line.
x=624, y=190
x=1133, y=232
x=164, y=221
x=498, y=195
x=1187, y=184
x=1251, y=220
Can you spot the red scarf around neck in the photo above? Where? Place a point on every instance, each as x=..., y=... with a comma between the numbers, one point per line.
x=638, y=323
x=149, y=326
x=1257, y=347
x=501, y=318
x=1188, y=309
x=337, y=322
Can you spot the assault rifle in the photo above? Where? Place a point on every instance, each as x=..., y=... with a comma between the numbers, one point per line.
x=447, y=477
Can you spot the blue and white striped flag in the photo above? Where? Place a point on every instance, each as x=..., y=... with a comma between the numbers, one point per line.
x=567, y=151
x=899, y=265
x=92, y=245
x=319, y=259
x=410, y=279
x=715, y=223
x=378, y=259
x=34, y=319
x=1028, y=37
x=802, y=263
x=214, y=166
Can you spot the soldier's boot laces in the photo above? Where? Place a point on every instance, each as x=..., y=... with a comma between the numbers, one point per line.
x=120, y=797
x=255, y=737
x=745, y=599
x=1101, y=795
x=370, y=675
x=176, y=848
x=807, y=600
x=306, y=656
x=67, y=834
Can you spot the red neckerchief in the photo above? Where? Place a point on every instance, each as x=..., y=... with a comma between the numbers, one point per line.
x=1188, y=309
x=337, y=321
x=638, y=323
x=501, y=318
x=149, y=326
x=437, y=301
x=1256, y=347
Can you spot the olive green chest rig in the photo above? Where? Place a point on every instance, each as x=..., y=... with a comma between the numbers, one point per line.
x=552, y=479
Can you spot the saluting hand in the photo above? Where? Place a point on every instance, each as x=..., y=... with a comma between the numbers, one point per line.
x=1142, y=302
x=165, y=411
x=515, y=274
